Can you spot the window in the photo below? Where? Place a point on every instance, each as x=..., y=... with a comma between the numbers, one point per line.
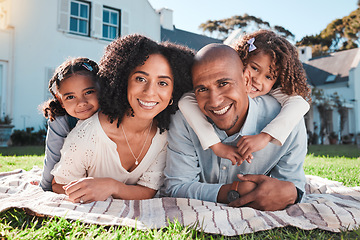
x=330, y=78
x=79, y=17
x=111, y=20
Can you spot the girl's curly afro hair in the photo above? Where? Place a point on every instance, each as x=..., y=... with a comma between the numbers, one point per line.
x=122, y=56
x=286, y=66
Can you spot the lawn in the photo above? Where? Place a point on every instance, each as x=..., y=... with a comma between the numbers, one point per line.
x=335, y=162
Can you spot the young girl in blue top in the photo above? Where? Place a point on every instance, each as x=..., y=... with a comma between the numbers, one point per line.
x=74, y=88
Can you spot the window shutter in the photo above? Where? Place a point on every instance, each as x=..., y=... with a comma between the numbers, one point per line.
x=97, y=21
x=64, y=15
x=125, y=26
x=48, y=75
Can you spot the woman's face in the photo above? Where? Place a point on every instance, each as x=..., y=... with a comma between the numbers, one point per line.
x=150, y=87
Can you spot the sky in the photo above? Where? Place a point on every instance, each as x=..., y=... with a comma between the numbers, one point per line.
x=301, y=17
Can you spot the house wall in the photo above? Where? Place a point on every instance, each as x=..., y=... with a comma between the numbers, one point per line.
x=354, y=82
x=346, y=92
x=33, y=46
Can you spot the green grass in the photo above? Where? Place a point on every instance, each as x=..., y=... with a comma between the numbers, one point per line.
x=335, y=162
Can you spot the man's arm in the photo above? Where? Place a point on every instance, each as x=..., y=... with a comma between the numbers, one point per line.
x=183, y=168
x=280, y=188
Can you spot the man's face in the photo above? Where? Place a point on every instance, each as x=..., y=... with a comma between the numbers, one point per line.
x=221, y=92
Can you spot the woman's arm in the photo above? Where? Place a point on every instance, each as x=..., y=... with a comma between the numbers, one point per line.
x=99, y=189
x=58, y=188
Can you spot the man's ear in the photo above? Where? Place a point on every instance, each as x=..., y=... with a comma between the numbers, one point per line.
x=247, y=80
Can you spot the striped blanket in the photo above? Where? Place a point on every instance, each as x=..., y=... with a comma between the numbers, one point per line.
x=328, y=205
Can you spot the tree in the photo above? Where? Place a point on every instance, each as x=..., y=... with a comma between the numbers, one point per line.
x=340, y=34
x=245, y=22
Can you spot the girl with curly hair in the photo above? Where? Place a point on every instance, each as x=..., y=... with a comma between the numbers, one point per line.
x=120, y=151
x=274, y=69
x=74, y=88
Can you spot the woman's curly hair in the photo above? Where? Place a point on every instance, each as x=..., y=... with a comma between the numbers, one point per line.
x=286, y=66
x=69, y=68
x=122, y=56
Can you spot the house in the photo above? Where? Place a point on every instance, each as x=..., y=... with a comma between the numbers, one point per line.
x=337, y=74
x=170, y=33
x=38, y=35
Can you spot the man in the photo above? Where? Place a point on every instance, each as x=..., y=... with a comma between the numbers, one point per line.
x=221, y=87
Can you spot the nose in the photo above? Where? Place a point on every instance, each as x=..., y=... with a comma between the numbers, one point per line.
x=150, y=88
x=82, y=101
x=215, y=98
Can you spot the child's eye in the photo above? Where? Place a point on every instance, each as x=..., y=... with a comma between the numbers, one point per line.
x=268, y=77
x=89, y=92
x=69, y=97
x=255, y=68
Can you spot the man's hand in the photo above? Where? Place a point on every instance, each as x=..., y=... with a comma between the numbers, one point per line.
x=252, y=143
x=89, y=189
x=270, y=194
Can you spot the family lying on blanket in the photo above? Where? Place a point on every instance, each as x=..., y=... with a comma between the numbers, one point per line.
x=239, y=136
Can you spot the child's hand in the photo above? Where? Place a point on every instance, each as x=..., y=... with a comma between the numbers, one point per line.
x=252, y=143
x=226, y=151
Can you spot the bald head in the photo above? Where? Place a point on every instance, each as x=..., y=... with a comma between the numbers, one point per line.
x=221, y=87
x=214, y=52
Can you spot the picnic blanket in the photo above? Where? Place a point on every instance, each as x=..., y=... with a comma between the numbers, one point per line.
x=328, y=205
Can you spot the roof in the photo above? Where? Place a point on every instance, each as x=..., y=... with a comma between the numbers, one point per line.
x=192, y=40
x=333, y=68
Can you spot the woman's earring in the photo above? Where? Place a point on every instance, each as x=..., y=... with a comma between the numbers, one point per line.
x=171, y=102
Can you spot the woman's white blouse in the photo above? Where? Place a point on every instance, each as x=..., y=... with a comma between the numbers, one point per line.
x=89, y=152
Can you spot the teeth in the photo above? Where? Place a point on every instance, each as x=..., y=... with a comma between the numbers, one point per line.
x=253, y=89
x=222, y=111
x=148, y=104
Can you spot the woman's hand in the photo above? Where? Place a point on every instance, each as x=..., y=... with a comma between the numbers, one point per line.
x=90, y=189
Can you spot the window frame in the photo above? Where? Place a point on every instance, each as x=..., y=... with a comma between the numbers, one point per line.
x=109, y=24
x=79, y=18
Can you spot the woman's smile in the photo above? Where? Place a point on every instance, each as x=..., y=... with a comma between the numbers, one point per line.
x=147, y=104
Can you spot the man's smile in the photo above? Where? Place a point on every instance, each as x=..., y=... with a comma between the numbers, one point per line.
x=222, y=111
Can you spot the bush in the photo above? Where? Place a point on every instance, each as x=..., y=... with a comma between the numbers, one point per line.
x=28, y=137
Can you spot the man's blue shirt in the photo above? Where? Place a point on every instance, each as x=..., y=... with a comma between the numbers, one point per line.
x=192, y=172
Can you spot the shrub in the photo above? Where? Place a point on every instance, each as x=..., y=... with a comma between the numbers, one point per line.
x=28, y=137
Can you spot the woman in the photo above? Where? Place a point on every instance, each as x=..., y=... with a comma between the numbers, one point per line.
x=120, y=151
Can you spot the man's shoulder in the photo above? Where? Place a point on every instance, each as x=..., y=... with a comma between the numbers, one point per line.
x=177, y=118
x=267, y=106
